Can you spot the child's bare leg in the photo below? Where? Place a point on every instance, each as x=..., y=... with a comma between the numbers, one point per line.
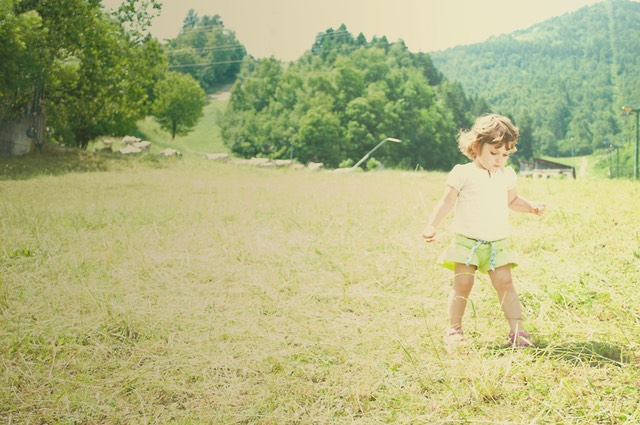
x=462, y=284
x=508, y=297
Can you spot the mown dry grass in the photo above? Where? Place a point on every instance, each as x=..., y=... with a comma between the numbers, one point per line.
x=195, y=292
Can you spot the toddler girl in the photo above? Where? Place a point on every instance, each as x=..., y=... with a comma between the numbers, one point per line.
x=482, y=192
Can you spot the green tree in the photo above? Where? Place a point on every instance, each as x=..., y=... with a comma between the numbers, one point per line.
x=333, y=43
x=190, y=21
x=136, y=16
x=206, y=50
x=257, y=85
x=178, y=104
x=94, y=69
x=103, y=86
x=320, y=135
x=525, y=141
x=461, y=106
x=348, y=81
x=21, y=68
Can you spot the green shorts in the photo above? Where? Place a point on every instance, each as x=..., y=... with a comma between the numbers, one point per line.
x=486, y=256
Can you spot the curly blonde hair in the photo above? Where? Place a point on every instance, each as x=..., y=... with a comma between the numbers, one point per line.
x=493, y=129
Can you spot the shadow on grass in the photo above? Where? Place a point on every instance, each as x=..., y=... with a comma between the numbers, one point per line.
x=59, y=162
x=590, y=353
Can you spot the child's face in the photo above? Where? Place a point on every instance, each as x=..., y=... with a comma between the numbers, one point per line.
x=492, y=158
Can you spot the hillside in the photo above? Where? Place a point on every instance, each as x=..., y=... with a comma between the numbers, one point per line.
x=567, y=77
x=205, y=137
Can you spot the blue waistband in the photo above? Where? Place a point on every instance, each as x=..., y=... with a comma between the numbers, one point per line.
x=474, y=248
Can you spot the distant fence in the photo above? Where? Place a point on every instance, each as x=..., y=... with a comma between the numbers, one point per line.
x=548, y=173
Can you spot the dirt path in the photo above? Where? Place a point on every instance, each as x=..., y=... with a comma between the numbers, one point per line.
x=582, y=172
x=223, y=94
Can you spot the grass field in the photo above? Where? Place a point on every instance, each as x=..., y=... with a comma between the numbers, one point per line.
x=191, y=292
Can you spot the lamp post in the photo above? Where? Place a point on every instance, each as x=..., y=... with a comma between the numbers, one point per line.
x=364, y=158
x=628, y=110
x=572, y=154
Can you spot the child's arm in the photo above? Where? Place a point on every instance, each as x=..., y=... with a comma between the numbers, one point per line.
x=442, y=209
x=520, y=204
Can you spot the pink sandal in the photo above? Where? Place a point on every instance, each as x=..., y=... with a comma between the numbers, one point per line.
x=520, y=340
x=454, y=337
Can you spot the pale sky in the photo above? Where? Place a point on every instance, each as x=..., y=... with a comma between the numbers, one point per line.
x=287, y=28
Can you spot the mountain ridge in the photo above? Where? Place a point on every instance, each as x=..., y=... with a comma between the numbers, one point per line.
x=566, y=77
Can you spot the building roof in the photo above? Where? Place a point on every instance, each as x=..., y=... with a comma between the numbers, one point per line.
x=544, y=164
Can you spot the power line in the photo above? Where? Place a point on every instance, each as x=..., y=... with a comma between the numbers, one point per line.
x=319, y=36
x=237, y=46
x=192, y=65
x=229, y=47
x=222, y=48
x=342, y=48
x=207, y=27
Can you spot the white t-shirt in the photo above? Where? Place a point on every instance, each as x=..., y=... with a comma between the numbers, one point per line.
x=482, y=208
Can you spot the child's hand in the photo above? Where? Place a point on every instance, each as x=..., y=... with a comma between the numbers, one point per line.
x=429, y=234
x=538, y=209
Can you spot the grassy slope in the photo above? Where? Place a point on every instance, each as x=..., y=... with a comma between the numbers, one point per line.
x=205, y=138
x=196, y=292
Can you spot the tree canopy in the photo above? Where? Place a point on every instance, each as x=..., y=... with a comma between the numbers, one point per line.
x=343, y=97
x=93, y=71
x=178, y=103
x=206, y=50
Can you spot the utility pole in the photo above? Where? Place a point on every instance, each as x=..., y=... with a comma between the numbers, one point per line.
x=637, y=112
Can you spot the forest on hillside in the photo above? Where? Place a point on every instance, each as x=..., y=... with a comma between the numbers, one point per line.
x=567, y=77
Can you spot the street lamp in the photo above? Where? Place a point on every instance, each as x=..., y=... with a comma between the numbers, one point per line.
x=636, y=111
x=572, y=147
x=364, y=158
